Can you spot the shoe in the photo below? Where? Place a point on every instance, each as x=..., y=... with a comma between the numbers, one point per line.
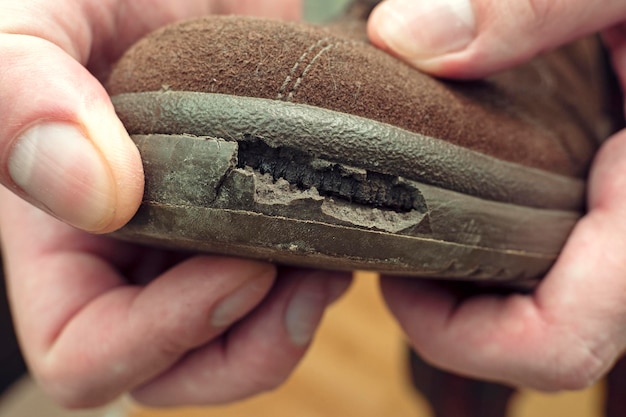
x=307, y=146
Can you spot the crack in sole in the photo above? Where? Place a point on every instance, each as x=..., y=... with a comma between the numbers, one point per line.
x=331, y=179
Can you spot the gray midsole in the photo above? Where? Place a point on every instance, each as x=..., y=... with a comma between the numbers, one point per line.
x=351, y=140
x=197, y=197
x=321, y=245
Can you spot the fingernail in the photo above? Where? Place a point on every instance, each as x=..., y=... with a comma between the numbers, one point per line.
x=241, y=301
x=305, y=309
x=59, y=168
x=424, y=29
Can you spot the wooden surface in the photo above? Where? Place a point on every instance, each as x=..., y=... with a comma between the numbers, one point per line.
x=356, y=368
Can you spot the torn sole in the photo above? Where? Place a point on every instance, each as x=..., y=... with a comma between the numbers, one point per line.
x=301, y=185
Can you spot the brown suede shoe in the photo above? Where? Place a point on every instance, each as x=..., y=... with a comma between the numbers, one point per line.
x=306, y=145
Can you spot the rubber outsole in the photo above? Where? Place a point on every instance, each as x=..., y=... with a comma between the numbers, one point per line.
x=307, y=186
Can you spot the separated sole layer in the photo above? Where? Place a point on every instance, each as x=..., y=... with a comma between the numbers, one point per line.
x=307, y=186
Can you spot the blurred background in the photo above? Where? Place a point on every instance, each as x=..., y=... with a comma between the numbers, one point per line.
x=323, y=10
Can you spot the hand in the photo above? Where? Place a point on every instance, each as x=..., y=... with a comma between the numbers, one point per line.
x=97, y=317
x=572, y=329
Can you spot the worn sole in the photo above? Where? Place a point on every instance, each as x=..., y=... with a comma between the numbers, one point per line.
x=306, y=186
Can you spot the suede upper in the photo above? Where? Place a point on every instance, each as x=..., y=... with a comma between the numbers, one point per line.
x=546, y=114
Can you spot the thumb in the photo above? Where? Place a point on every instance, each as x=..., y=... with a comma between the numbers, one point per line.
x=473, y=38
x=62, y=147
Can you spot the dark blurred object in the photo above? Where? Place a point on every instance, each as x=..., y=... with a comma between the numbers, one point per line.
x=12, y=364
x=615, y=400
x=451, y=395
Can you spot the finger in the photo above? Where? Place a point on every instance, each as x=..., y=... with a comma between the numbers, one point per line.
x=259, y=353
x=96, y=33
x=61, y=146
x=566, y=335
x=144, y=332
x=126, y=336
x=473, y=38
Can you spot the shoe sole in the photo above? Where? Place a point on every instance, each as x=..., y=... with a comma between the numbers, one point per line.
x=302, y=185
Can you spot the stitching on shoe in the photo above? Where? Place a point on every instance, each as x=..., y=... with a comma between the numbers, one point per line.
x=287, y=93
x=292, y=73
x=295, y=87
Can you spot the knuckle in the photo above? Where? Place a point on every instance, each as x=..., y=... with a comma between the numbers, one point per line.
x=539, y=11
x=265, y=376
x=580, y=364
x=580, y=373
x=169, y=339
x=73, y=388
x=169, y=345
x=530, y=18
x=69, y=390
x=267, y=380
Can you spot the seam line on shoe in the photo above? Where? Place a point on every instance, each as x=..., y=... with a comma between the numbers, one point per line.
x=299, y=61
x=294, y=89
